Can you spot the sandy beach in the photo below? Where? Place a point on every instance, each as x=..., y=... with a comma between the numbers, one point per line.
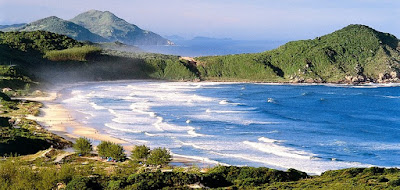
x=57, y=119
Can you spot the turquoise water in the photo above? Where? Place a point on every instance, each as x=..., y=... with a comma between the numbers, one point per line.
x=312, y=128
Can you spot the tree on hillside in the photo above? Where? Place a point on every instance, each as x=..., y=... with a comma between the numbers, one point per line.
x=140, y=153
x=117, y=152
x=110, y=149
x=83, y=146
x=103, y=148
x=159, y=156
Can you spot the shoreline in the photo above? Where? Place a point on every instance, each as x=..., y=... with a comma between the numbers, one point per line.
x=57, y=119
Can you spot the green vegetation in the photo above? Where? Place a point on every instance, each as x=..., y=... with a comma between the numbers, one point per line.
x=159, y=156
x=73, y=54
x=355, y=53
x=22, y=136
x=37, y=40
x=155, y=157
x=110, y=149
x=46, y=57
x=13, y=76
x=88, y=173
x=83, y=146
x=140, y=153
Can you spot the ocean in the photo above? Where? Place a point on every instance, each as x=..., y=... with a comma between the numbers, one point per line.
x=209, y=46
x=312, y=128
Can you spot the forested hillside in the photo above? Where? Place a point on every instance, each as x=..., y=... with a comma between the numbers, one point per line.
x=356, y=53
x=49, y=57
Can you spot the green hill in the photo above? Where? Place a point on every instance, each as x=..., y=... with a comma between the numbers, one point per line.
x=109, y=26
x=60, y=26
x=356, y=53
x=49, y=58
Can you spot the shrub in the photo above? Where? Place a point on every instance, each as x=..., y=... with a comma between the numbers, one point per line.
x=394, y=183
x=159, y=156
x=114, y=185
x=140, y=153
x=78, y=183
x=83, y=146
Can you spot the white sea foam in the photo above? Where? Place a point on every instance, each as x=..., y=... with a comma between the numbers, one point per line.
x=97, y=107
x=123, y=128
x=223, y=102
x=270, y=146
x=312, y=166
x=201, y=159
x=193, y=133
x=268, y=140
x=250, y=122
x=194, y=145
x=392, y=97
x=134, y=110
x=271, y=100
x=150, y=134
x=274, y=131
x=223, y=111
x=226, y=102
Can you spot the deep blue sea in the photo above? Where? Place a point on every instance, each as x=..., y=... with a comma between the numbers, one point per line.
x=312, y=128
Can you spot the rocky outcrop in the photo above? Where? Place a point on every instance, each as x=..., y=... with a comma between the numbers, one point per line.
x=388, y=77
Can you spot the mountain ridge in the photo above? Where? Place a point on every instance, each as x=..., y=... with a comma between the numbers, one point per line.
x=113, y=28
x=60, y=26
x=94, y=26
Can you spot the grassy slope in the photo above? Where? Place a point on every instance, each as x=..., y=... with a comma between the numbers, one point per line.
x=354, y=51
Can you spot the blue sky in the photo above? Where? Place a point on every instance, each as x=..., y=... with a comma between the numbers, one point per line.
x=238, y=19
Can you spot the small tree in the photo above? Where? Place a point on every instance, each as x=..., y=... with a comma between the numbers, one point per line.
x=140, y=153
x=110, y=149
x=159, y=156
x=83, y=146
x=103, y=148
x=117, y=152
